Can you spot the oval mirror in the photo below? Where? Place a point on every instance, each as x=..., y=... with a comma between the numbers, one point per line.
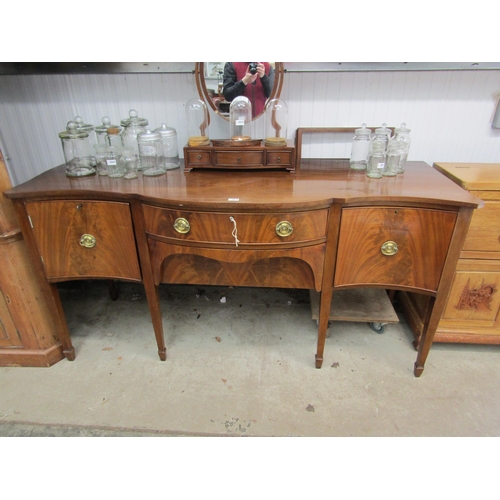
x=210, y=82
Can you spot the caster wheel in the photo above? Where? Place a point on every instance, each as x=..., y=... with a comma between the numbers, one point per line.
x=377, y=327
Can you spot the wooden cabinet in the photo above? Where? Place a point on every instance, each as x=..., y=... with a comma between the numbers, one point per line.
x=27, y=328
x=472, y=310
x=234, y=157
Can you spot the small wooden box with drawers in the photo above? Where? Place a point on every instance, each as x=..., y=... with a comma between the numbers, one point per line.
x=254, y=157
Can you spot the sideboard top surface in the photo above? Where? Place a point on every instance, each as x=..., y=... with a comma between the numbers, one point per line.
x=317, y=183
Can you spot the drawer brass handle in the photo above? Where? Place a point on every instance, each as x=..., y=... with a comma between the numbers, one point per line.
x=199, y=157
x=181, y=225
x=389, y=248
x=284, y=228
x=279, y=159
x=88, y=241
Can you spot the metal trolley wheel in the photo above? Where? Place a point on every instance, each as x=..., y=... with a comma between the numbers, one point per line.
x=377, y=327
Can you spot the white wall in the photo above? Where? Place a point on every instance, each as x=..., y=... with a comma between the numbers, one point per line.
x=448, y=112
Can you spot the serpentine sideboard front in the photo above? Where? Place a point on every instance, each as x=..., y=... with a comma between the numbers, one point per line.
x=324, y=227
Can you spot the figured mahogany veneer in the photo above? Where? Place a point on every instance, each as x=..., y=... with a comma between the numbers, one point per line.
x=321, y=227
x=421, y=236
x=254, y=229
x=205, y=254
x=58, y=227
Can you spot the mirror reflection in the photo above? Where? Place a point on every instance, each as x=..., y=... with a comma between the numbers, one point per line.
x=219, y=83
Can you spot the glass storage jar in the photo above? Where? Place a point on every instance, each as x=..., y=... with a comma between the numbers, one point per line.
x=240, y=119
x=150, y=153
x=276, y=123
x=198, y=122
x=376, y=160
x=402, y=138
x=392, y=159
x=86, y=127
x=77, y=151
x=170, y=158
x=100, y=159
x=114, y=162
x=130, y=163
x=132, y=127
x=382, y=135
x=360, y=148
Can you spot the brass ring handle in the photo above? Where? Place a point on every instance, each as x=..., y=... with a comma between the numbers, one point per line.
x=88, y=241
x=284, y=228
x=389, y=248
x=181, y=225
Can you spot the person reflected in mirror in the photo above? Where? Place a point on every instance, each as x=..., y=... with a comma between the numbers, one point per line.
x=252, y=80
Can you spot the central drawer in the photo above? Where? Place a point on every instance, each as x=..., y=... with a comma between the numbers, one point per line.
x=237, y=158
x=236, y=228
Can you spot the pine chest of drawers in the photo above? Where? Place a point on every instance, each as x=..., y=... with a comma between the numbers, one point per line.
x=472, y=310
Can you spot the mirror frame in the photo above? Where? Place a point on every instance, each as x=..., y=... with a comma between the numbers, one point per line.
x=199, y=73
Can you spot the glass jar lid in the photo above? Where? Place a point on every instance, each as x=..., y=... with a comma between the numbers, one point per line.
x=402, y=129
x=72, y=132
x=165, y=131
x=134, y=119
x=84, y=127
x=148, y=136
x=106, y=124
x=383, y=130
x=363, y=130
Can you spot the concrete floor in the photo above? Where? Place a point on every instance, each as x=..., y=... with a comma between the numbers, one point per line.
x=243, y=367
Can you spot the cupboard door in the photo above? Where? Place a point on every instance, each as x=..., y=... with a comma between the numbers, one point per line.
x=85, y=239
x=474, y=299
x=403, y=247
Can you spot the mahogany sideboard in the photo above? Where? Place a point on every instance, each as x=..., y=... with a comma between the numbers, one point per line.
x=324, y=227
x=472, y=310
